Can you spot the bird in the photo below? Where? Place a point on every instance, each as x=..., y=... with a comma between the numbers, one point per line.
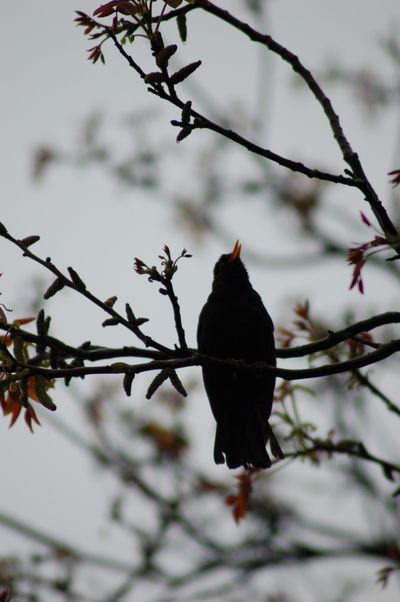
x=235, y=325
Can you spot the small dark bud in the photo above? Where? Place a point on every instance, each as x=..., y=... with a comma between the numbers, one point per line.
x=163, y=291
x=184, y=133
x=40, y=323
x=180, y=75
x=156, y=77
x=157, y=42
x=140, y=321
x=80, y=285
x=85, y=345
x=110, y=301
x=182, y=27
x=119, y=367
x=53, y=288
x=30, y=240
x=176, y=382
x=157, y=382
x=46, y=326
x=162, y=57
x=110, y=322
x=127, y=382
x=129, y=314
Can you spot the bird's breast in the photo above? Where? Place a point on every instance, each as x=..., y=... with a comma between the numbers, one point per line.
x=236, y=328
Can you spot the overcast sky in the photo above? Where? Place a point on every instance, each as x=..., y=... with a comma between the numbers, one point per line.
x=87, y=220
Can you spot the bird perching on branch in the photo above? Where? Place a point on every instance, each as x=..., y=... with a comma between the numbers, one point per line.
x=234, y=324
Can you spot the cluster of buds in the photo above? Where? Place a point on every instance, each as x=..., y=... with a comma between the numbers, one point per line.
x=169, y=266
x=127, y=17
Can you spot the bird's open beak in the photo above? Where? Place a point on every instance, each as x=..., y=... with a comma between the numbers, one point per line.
x=236, y=251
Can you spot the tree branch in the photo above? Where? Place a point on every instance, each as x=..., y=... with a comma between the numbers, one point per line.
x=384, y=351
x=205, y=123
x=349, y=156
x=80, y=288
x=333, y=338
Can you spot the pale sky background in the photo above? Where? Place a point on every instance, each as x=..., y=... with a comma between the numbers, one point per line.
x=85, y=219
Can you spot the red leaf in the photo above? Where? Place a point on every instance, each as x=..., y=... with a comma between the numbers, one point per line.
x=396, y=180
x=239, y=502
x=30, y=415
x=105, y=9
x=15, y=412
x=302, y=310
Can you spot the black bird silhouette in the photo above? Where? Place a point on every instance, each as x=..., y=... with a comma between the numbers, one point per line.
x=234, y=324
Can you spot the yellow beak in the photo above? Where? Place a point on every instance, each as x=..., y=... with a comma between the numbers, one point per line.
x=236, y=251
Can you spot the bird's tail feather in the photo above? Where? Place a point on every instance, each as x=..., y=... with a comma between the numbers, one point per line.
x=274, y=445
x=244, y=444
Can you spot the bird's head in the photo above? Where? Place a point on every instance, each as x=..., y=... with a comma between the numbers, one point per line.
x=229, y=271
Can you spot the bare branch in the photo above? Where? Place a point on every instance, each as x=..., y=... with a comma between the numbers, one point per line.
x=349, y=155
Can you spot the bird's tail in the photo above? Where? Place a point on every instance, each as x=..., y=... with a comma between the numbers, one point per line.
x=243, y=443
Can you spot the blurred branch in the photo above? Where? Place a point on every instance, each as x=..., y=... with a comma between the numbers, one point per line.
x=366, y=382
x=61, y=547
x=351, y=448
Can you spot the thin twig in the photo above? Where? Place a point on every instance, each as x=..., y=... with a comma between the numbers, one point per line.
x=177, y=314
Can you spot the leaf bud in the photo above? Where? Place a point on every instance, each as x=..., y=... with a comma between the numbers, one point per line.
x=180, y=75
x=54, y=288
